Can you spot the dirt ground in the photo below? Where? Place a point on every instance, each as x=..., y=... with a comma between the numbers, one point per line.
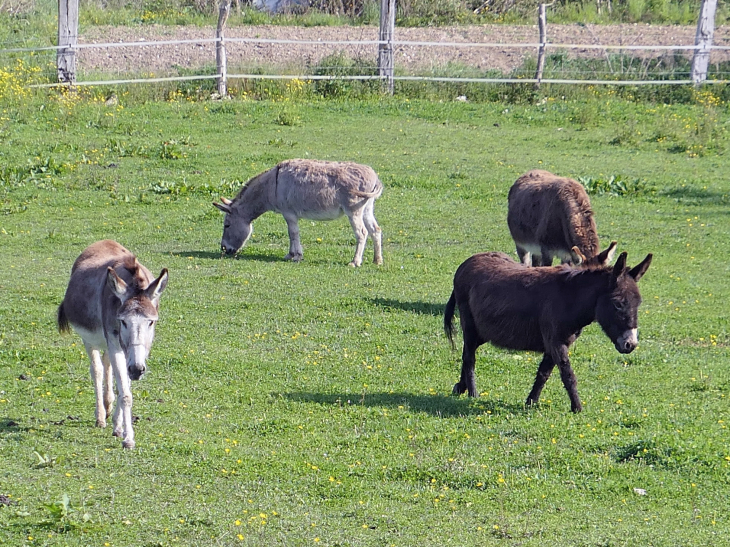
x=168, y=58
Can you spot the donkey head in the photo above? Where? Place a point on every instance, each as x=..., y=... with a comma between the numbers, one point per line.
x=236, y=231
x=617, y=310
x=136, y=318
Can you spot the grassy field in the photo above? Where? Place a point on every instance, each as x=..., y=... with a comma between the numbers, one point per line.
x=309, y=404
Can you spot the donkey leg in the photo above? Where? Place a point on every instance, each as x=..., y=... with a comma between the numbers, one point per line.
x=96, y=369
x=374, y=230
x=543, y=373
x=524, y=256
x=560, y=356
x=546, y=258
x=108, y=384
x=361, y=235
x=123, y=410
x=296, y=253
x=467, y=381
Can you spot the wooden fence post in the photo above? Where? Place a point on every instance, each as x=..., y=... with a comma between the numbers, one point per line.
x=542, y=24
x=68, y=35
x=703, y=41
x=385, y=50
x=220, y=48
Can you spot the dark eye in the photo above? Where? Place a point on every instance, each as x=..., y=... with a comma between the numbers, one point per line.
x=618, y=306
x=152, y=323
x=124, y=323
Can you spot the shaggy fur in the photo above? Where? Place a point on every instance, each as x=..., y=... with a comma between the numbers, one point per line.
x=548, y=216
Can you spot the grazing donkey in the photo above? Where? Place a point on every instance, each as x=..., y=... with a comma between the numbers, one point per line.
x=311, y=189
x=112, y=302
x=550, y=216
x=541, y=309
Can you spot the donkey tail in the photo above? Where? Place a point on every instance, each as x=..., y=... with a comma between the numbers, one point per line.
x=374, y=194
x=62, y=320
x=449, y=319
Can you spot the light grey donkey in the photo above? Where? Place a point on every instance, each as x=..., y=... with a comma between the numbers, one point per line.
x=112, y=302
x=311, y=189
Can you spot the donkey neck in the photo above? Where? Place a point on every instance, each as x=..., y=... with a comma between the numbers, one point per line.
x=585, y=287
x=254, y=200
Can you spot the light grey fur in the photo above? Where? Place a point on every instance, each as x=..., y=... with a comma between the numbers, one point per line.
x=310, y=189
x=112, y=302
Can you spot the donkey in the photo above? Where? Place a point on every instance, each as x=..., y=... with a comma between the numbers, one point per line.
x=311, y=189
x=541, y=309
x=550, y=216
x=112, y=302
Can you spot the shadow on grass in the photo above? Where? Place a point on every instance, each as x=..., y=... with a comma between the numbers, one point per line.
x=694, y=194
x=8, y=425
x=437, y=405
x=209, y=255
x=424, y=308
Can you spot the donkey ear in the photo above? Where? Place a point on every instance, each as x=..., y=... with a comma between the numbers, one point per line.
x=620, y=265
x=155, y=288
x=223, y=207
x=640, y=269
x=605, y=257
x=116, y=283
x=225, y=201
x=576, y=256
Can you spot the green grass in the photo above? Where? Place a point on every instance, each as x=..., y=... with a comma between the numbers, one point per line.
x=31, y=21
x=308, y=404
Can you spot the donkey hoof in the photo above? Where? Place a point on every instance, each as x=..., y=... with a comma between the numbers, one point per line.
x=128, y=444
x=118, y=433
x=101, y=423
x=294, y=257
x=355, y=264
x=458, y=390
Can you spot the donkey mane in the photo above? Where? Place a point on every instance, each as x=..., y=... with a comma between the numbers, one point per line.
x=582, y=223
x=251, y=182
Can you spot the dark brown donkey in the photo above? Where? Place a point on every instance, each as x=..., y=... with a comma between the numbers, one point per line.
x=550, y=216
x=541, y=309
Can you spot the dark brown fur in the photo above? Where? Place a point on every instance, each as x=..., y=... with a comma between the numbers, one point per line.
x=548, y=216
x=540, y=309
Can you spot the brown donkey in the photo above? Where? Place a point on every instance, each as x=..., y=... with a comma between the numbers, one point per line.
x=541, y=309
x=550, y=216
x=112, y=303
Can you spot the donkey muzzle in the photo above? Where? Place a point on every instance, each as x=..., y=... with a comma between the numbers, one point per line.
x=136, y=371
x=226, y=251
x=627, y=342
x=137, y=361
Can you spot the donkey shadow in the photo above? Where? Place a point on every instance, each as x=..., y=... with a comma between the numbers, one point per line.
x=441, y=406
x=422, y=308
x=210, y=255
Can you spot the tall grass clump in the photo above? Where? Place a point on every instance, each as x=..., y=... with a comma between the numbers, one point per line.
x=338, y=67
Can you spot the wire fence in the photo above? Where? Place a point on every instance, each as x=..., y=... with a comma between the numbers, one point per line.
x=257, y=58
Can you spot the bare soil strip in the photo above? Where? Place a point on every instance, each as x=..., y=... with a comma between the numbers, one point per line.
x=167, y=59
